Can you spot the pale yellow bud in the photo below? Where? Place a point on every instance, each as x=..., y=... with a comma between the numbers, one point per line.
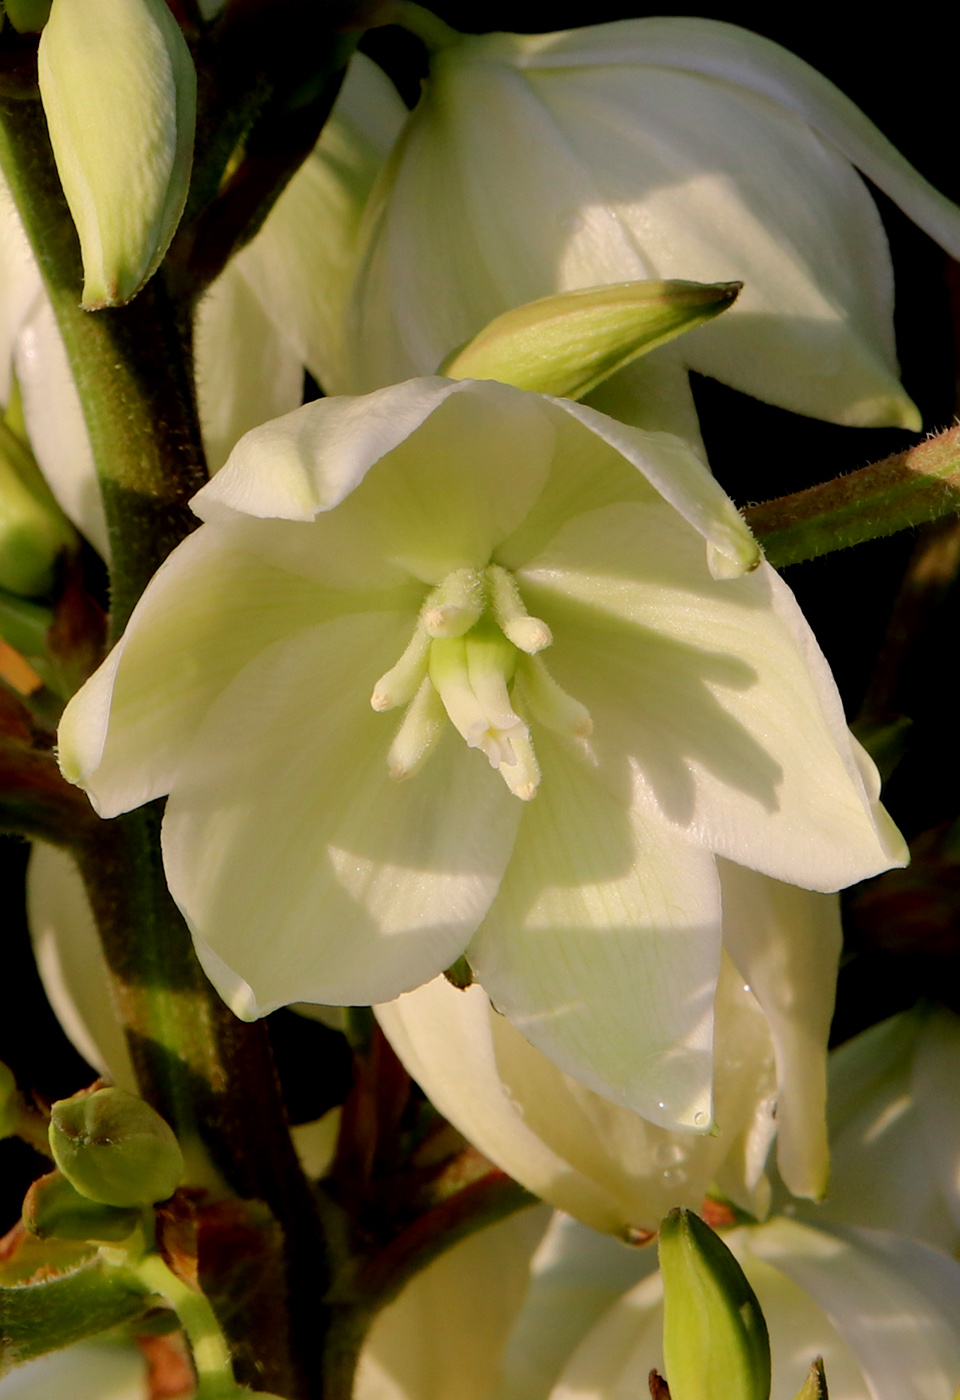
x=119, y=91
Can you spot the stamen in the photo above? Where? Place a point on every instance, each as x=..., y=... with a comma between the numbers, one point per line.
x=523, y=776
x=419, y=731
x=400, y=684
x=550, y=704
x=454, y=607
x=530, y=634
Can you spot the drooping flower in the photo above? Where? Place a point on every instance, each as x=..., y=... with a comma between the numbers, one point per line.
x=654, y=147
x=416, y=550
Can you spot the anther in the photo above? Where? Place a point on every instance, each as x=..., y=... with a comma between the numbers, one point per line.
x=453, y=608
x=550, y=704
x=400, y=684
x=530, y=634
x=419, y=731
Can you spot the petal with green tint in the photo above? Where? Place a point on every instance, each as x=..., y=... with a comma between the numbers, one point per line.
x=896, y=1302
x=736, y=55
x=710, y=701
x=298, y=862
x=20, y=283
x=464, y=463
x=87, y=1371
x=786, y=942
x=300, y=265
x=936, y=1087
x=681, y=478
x=71, y=964
x=603, y=947
x=209, y=610
x=246, y=372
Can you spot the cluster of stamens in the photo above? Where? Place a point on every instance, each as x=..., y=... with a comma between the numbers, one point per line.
x=473, y=658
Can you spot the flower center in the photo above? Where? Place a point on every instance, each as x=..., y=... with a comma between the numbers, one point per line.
x=473, y=658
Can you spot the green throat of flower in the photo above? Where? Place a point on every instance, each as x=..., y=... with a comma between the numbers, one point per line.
x=473, y=659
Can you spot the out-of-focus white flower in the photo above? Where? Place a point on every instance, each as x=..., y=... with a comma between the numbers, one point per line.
x=881, y=1309
x=119, y=93
x=655, y=147
x=88, y=1371
x=366, y=554
x=444, y=1336
x=894, y=1115
x=276, y=308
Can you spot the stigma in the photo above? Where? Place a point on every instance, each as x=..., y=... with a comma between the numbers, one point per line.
x=472, y=661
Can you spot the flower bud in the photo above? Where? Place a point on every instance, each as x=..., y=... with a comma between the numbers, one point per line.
x=119, y=92
x=9, y=1106
x=815, y=1386
x=568, y=344
x=715, y=1342
x=55, y=1208
x=114, y=1148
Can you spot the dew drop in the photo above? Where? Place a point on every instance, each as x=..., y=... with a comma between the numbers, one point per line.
x=699, y=1118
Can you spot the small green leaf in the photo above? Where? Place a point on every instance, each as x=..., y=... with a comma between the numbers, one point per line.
x=568, y=344
x=715, y=1342
x=55, y=1208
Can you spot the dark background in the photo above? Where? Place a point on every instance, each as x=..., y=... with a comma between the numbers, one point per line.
x=904, y=77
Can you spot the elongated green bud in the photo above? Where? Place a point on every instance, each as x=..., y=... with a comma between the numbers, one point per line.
x=568, y=344
x=54, y=1208
x=715, y=1343
x=9, y=1103
x=119, y=90
x=114, y=1148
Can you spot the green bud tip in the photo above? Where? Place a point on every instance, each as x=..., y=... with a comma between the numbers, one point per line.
x=815, y=1385
x=715, y=1341
x=114, y=1148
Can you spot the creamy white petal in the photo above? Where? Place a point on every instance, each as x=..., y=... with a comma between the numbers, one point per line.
x=464, y=463
x=55, y=423
x=443, y=1037
x=895, y=1301
x=595, y=1159
x=71, y=963
x=653, y=393
x=681, y=478
x=300, y=265
x=209, y=609
x=786, y=943
x=710, y=700
x=443, y=1337
x=630, y=167
x=297, y=861
x=603, y=947
x=736, y=55
x=246, y=371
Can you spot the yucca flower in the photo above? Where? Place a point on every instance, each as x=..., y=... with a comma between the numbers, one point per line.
x=455, y=668
x=653, y=147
